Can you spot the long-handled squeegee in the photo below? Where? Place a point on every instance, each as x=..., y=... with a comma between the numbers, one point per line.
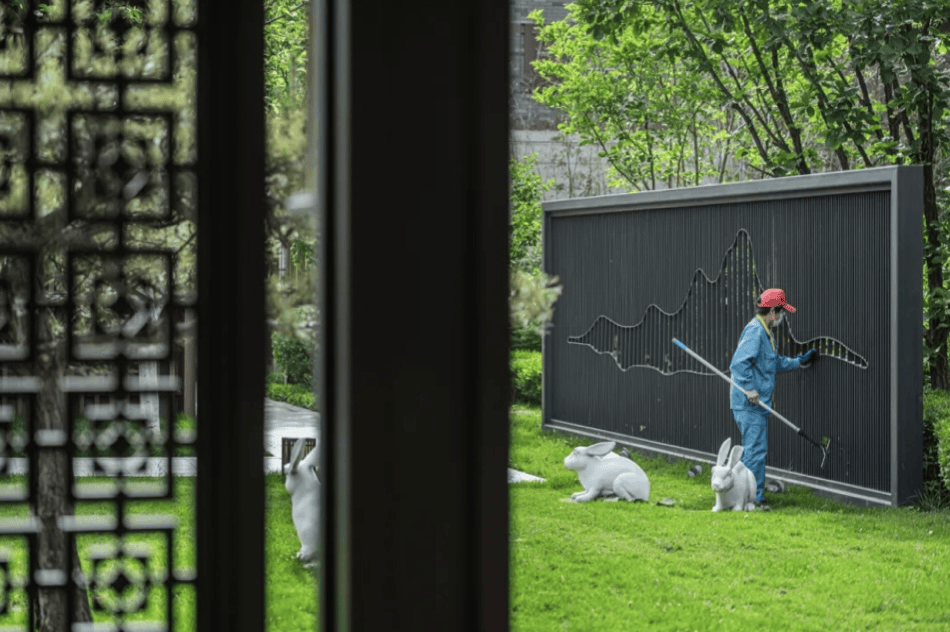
x=824, y=449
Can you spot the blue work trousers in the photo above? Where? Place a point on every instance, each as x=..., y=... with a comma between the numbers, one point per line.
x=755, y=446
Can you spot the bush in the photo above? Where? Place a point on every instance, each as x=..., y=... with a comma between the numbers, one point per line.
x=526, y=374
x=936, y=457
x=293, y=394
x=294, y=357
x=942, y=433
x=525, y=338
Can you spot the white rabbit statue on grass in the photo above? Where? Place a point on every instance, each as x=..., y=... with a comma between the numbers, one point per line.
x=303, y=485
x=732, y=481
x=602, y=472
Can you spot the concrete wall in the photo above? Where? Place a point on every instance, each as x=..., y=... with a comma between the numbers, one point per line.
x=577, y=171
x=525, y=113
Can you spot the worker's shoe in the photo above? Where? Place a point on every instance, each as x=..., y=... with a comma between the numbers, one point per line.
x=762, y=506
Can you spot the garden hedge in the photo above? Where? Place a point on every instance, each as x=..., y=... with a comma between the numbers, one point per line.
x=526, y=377
x=936, y=437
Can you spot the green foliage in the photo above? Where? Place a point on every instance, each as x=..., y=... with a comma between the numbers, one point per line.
x=294, y=357
x=301, y=254
x=764, y=88
x=531, y=299
x=286, y=36
x=526, y=371
x=631, y=96
x=525, y=338
x=291, y=299
x=937, y=440
x=295, y=394
x=527, y=191
x=532, y=292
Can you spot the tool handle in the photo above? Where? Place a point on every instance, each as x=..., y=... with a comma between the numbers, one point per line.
x=729, y=379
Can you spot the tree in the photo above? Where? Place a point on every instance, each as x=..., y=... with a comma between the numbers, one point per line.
x=814, y=86
x=532, y=292
x=291, y=307
x=527, y=189
x=646, y=113
x=286, y=33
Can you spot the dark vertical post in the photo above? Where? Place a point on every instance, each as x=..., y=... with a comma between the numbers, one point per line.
x=231, y=363
x=907, y=429
x=416, y=379
x=547, y=354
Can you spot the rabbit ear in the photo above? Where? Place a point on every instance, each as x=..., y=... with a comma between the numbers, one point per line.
x=735, y=456
x=296, y=454
x=724, y=451
x=600, y=449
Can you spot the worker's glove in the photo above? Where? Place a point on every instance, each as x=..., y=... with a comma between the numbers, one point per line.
x=806, y=359
x=753, y=397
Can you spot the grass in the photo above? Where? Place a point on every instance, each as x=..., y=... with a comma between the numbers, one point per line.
x=291, y=597
x=809, y=564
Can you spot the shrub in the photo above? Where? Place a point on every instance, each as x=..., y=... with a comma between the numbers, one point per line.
x=294, y=357
x=293, y=394
x=525, y=338
x=942, y=433
x=526, y=374
x=936, y=457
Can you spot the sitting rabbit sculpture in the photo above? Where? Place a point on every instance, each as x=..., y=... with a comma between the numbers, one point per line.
x=602, y=472
x=732, y=481
x=303, y=485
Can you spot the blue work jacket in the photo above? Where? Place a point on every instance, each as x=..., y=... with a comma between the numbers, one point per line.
x=754, y=366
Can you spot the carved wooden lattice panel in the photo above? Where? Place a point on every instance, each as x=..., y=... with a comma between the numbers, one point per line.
x=97, y=286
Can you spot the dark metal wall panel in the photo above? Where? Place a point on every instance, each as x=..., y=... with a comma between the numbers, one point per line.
x=639, y=270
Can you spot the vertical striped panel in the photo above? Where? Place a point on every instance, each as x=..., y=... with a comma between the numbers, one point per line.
x=637, y=275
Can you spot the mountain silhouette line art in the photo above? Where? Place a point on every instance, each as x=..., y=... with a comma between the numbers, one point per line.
x=648, y=344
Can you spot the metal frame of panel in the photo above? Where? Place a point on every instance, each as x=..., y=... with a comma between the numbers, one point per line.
x=781, y=250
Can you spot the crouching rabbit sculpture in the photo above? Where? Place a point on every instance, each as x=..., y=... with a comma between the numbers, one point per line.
x=303, y=485
x=732, y=481
x=602, y=472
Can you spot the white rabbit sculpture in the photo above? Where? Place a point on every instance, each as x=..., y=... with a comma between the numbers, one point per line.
x=602, y=472
x=303, y=484
x=732, y=481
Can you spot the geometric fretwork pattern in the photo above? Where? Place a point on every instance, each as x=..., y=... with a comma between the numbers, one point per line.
x=97, y=290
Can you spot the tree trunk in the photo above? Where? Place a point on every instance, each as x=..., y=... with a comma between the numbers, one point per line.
x=51, y=502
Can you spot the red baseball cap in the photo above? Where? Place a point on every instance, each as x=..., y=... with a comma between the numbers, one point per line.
x=775, y=297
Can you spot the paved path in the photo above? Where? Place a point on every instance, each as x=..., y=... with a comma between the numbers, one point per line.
x=281, y=420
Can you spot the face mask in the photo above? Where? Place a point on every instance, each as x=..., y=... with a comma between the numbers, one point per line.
x=779, y=319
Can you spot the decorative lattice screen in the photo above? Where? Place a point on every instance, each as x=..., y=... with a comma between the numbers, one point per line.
x=97, y=282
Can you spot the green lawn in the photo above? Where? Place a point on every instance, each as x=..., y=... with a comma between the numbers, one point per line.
x=290, y=588
x=809, y=564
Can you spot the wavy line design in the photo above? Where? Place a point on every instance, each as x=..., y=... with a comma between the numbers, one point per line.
x=648, y=344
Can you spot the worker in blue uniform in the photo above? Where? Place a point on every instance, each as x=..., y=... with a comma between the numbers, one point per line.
x=754, y=366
